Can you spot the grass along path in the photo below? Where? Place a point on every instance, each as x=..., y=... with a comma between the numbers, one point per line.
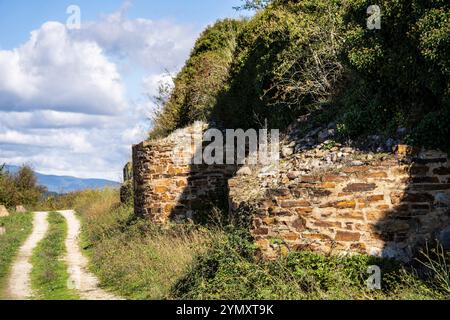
x=18, y=227
x=19, y=287
x=49, y=276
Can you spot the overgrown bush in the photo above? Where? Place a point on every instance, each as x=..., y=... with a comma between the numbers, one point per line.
x=400, y=73
x=20, y=188
x=199, y=82
x=285, y=64
x=229, y=270
x=293, y=56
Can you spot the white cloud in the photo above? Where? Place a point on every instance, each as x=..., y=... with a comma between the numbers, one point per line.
x=53, y=71
x=64, y=105
x=154, y=45
x=52, y=119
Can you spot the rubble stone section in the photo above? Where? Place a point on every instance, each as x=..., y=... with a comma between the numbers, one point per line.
x=126, y=189
x=167, y=187
x=383, y=207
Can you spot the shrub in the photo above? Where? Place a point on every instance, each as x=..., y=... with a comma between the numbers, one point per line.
x=20, y=188
x=285, y=64
x=199, y=82
x=231, y=271
x=400, y=73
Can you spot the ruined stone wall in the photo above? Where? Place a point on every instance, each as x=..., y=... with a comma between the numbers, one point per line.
x=382, y=207
x=326, y=197
x=167, y=187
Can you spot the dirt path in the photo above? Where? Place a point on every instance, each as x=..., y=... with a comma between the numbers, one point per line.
x=19, y=280
x=81, y=279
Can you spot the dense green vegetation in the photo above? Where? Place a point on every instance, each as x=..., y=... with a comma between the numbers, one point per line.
x=18, y=227
x=292, y=57
x=200, y=81
x=400, y=74
x=49, y=277
x=20, y=188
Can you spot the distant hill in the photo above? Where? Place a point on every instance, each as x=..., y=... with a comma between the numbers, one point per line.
x=65, y=184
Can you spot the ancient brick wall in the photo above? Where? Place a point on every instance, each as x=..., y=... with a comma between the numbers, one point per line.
x=385, y=207
x=167, y=187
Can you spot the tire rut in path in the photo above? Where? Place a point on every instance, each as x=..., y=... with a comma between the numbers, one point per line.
x=81, y=279
x=19, y=287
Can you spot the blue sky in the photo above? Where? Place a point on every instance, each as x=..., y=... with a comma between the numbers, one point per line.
x=32, y=14
x=72, y=102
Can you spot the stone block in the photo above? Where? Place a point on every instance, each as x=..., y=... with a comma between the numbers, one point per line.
x=20, y=209
x=419, y=170
x=375, y=198
x=3, y=211
x=356, y=169
x=379, y=174
x=294, y=204
x=327, y=224
x=360, y=187
x=261, y=231
x=347, y=204
x=332, y=179
x=425, y=180
x=442, y=171
x=347, y=236
x=353, y=215
x=431, y=187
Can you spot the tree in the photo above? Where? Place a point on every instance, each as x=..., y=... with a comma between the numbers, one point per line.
x=21, y=188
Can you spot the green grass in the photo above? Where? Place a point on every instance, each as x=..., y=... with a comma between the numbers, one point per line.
x=138, y=260
x=229, y=270
x=49, y=277
x=18, y=227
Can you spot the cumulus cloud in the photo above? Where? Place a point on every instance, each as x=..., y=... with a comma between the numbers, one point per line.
x=65, y=107
x=154, y=45
x=53, y=71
